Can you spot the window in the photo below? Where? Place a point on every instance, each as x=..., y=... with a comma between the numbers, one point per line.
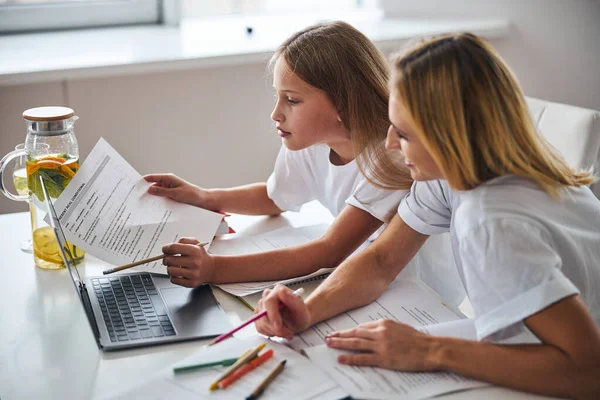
x=34, y=15
x=195, y=8
x=41, y=15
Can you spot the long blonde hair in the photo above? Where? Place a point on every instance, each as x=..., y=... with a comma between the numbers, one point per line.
x=342, y=62
x=470, y=113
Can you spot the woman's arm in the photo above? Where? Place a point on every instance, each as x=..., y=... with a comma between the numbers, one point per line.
x=566, y=364
x=358, y=281
x=362, y=279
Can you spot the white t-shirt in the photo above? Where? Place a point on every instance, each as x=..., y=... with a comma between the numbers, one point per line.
x=305, y=175
x=517, y=250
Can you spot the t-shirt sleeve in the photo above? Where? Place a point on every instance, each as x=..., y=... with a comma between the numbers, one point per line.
x=511, y=272
x=380, y=203
x=289, y=185
x=426, y=208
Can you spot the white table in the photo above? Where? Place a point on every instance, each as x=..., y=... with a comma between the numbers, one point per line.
x=47, y=350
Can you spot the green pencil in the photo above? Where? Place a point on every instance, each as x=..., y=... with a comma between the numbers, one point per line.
x=227, y=362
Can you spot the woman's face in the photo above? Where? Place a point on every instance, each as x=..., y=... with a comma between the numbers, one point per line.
x=304, y=114
x=401, y=136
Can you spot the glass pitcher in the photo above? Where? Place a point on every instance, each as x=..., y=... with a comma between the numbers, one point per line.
x=52, y=153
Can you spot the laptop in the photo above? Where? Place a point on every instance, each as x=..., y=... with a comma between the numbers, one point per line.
x=140, y=309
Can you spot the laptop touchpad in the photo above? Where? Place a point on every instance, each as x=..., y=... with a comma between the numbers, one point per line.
x=195, y=312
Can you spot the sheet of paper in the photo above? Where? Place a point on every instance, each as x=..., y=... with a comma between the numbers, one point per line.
x=406, y=300
x=379, y=383
x=299, y=379
x=107, y=211
x=277, y=239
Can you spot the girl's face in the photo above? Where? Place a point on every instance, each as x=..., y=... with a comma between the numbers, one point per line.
x=304, y=114
x=401, y=137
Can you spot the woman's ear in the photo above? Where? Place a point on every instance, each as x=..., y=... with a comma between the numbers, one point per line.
x=338, y=116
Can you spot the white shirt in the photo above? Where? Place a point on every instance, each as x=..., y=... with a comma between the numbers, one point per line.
x=517, y=250
x=307, y=174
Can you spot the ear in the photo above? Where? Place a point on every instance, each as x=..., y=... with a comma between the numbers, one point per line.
x=338, y=117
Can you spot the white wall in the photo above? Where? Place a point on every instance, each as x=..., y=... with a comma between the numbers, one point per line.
x=554, y=47
x=212, y=126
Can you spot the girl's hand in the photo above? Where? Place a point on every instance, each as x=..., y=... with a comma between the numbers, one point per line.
x=175, y=188
x=291, y=318
x=187, y=264
x=386, y=344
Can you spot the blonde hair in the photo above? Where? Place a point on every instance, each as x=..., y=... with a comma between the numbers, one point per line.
x=470, y=113
x=342, y=62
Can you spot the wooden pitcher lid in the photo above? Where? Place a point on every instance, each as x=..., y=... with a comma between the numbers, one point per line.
x=49, y=113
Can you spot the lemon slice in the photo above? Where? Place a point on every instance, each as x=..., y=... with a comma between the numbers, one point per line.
x=45, y=245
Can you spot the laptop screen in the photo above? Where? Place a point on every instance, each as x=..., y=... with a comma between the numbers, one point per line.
x=61, y=239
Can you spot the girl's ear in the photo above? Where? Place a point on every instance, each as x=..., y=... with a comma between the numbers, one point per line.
x=338, y=117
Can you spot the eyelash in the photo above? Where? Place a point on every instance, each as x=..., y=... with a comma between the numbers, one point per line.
x=400, y=135
x=292, y=102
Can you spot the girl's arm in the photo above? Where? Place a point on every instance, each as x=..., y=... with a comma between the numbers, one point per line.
x=249, y=199
x=347, y=232
x=566, y=364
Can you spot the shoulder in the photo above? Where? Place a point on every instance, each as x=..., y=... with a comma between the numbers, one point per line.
x=518, y=200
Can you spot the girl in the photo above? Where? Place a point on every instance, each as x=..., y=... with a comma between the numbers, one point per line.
x=331, y=109
x=525, y=233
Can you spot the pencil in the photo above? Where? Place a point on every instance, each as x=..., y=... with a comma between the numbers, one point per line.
x=246, y=368
x=245, y=302
x=140, y=262
x=297, y=292
x=245, y=358
x=261, y=388
x=226, y=363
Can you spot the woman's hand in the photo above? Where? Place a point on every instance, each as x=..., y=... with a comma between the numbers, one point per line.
x=175, y=188
x=187, y=264
x=386, y=344
x=286, y=313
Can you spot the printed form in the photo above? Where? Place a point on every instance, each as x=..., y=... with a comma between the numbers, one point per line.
x=107, y=211
x=406, y=301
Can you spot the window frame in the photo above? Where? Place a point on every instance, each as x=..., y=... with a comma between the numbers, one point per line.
x=15, y=18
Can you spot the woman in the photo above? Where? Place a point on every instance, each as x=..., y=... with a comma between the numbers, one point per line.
x=525, y=233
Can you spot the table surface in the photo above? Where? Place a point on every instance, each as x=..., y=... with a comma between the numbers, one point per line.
x=47, y=349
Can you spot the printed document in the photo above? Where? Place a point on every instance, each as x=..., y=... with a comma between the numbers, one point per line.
x=299, y=379
x=379, y=383
x=107, y=211
x=406, y=300
x=277, y=239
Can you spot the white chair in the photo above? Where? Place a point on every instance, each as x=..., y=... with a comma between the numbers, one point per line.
x=574, y=131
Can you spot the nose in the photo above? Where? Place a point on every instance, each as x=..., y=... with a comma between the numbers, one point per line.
x=391, y=140
x=276, y=114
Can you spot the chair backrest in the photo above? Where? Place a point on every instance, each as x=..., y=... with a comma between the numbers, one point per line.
x=574, y=131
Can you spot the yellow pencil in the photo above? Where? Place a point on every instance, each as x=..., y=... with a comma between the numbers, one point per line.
x=245, y=358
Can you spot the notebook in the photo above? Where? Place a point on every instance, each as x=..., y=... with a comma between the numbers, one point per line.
x=140, y=309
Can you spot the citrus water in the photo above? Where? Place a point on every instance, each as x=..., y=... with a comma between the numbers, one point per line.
x=57, y=170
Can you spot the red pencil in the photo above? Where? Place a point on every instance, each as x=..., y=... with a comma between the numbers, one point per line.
x=297, y=292
x=245, y=369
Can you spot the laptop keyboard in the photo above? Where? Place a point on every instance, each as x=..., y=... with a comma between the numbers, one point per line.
x=132, y=308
